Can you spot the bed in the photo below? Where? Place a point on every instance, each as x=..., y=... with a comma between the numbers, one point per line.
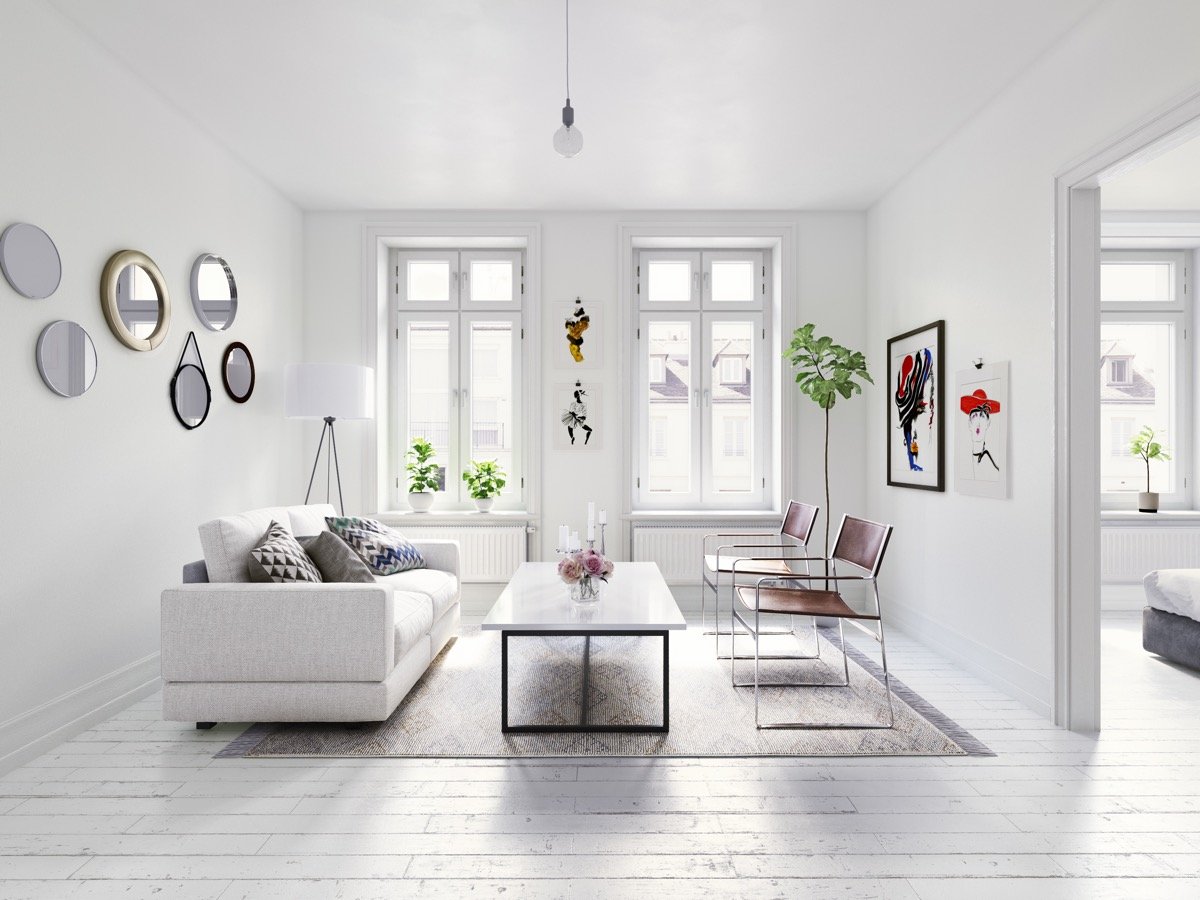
x=1171, y=619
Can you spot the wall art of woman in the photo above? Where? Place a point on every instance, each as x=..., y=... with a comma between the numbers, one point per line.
x=914, y=396
x=576, y=413
x=979, y=409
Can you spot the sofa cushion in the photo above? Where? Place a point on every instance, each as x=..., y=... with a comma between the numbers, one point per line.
x=279, y=558
x=335, y=560
x=414, y=619
x=309, y=520
x=440, y=587
x=386, y=551
x=227, y=542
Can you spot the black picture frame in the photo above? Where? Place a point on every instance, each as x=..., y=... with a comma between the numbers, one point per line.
x=924, y=381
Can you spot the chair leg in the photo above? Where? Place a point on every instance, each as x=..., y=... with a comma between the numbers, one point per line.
x=736, y=619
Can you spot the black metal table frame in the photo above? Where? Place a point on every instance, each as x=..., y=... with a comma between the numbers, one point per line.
x=583, y=725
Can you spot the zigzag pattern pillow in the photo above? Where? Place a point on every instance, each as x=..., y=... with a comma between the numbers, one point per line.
x=384, y=550
x=279, y=558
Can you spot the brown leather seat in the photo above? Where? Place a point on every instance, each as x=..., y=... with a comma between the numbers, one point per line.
x=800, y=602
x=758, y=567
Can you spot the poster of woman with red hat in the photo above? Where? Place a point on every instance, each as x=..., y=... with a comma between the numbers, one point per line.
x=981, y=431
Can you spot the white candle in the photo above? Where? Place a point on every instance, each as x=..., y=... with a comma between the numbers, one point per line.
x=603, y=520
x=563, y=537
x=591, y=521
x=574, y=542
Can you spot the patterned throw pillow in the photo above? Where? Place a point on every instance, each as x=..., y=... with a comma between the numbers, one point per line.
x=385, y=551
x=280, y=559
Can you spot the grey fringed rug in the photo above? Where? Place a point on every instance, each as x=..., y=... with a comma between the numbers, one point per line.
x=454, y=710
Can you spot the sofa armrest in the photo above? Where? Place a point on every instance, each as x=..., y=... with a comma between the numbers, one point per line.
x=278, y=632
x=441, y=555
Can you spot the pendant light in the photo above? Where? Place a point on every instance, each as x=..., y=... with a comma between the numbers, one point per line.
x=568, y=140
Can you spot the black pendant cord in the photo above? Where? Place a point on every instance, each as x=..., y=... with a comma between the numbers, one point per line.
x=567, y=43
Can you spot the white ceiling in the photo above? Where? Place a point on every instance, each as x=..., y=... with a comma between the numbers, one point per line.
x=1167, y=182
x=816, y=104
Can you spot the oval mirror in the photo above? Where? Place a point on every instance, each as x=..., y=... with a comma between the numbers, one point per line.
x=135, y=300
x=66, y=358
x=30, y=261
x=214, y=292
x=190, y=396
x=237, y=371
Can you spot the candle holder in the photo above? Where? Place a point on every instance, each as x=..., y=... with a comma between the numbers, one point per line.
x=603, y=551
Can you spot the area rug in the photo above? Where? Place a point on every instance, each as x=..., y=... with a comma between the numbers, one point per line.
x=454, y=710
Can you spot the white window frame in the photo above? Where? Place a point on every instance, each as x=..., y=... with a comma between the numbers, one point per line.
x=1178, y=311
x=642, y=276
x=461, y=313
x=762, y=371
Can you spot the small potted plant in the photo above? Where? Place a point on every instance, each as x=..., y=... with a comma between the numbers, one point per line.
x=485, y=480
x=423, y=475
x=1145, y=446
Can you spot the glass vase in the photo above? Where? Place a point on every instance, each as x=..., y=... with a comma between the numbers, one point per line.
x=586, y=590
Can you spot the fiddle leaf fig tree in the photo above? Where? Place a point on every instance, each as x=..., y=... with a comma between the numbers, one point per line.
x=1145, y=446
x=826, y=371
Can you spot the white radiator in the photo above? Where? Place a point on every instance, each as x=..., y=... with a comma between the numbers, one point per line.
x=490, y=553
x=1127, y=554
x=678, y=549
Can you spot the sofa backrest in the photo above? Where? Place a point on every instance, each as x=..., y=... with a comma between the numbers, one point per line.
x=227, y=541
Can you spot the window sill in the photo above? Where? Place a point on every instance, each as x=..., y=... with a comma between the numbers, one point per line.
x=679, y=515
x=496, y=518
x=1128, y=517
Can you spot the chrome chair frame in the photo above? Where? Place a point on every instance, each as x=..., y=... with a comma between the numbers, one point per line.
x=829, y=575
x=784, y=553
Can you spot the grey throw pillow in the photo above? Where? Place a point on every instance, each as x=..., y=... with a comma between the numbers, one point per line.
x=278, y=558
x=335, y=560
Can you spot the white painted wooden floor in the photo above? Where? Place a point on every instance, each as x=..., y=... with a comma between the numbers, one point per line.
x=136, y=807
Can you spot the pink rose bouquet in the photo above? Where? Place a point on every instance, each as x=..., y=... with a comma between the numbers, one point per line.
x=584, y=566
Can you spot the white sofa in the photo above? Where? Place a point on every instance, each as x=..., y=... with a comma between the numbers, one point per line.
x=238, y=651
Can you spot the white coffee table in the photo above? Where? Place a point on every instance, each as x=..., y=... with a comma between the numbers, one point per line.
x=636, y=602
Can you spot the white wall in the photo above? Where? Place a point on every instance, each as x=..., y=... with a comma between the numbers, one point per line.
x=579, y=257
x=967, y=237
x=102, y=493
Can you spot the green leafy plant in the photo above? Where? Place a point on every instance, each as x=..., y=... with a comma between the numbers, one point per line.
x=422, y=471
x=825, y=371
x=1145, y=446
x=484, y=479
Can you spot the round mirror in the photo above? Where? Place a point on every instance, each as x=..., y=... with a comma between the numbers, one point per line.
x=237, y=371
x=30, y=261
x=190, y=396
x=214, y=292
x=135, y=300
x=66, y=358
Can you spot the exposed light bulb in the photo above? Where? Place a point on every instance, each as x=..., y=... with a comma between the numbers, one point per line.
x=568, y=140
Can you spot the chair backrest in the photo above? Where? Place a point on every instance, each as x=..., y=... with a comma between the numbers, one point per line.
x=861, y=543
x=799, y=520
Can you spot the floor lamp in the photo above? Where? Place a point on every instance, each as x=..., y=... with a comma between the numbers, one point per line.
x=329, y=392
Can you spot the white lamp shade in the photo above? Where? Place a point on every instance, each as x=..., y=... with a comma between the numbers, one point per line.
x=317, y=390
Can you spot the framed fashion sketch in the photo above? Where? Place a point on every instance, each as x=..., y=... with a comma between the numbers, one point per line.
x=980, y=412
x=916, y=438
x=578, y=422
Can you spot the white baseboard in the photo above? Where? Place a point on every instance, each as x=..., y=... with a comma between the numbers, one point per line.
x=33, y=733
x=1002, y=672
x=1122, y=597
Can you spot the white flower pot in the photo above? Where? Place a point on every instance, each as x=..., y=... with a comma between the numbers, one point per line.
x=1147, y=501
x=484, y=504
x=421, y=501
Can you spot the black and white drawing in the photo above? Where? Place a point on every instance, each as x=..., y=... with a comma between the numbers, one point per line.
x=578, y=408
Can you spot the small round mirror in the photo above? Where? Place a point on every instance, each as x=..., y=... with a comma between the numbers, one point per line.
x=135, y=300
x=66, y=358
x=30, y=261
x=190, y=396
x=214, y=292
x=237, y=371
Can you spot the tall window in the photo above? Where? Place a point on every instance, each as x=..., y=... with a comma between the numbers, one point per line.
x=1145, y=365
x=458, y=364
x=702, y=391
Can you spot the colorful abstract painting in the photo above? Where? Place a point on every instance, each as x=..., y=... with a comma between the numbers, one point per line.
x=916, y=431
x=981, y=413
x=581, y=336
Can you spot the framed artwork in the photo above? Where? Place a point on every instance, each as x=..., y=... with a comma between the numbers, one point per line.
x=980, y=411
x=916, y=438
x=579, y=338
x=578, y=423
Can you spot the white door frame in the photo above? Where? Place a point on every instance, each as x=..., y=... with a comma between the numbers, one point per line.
x=1076, y=575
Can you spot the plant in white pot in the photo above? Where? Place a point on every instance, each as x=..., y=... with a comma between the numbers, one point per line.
x=423, y=475
x=485, y=480
x=1145, y=446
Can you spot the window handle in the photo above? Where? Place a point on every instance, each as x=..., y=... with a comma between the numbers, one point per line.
x=707, y=397
x=463, y=394
x=696, y=398
x=454, y=396
x=707, y=288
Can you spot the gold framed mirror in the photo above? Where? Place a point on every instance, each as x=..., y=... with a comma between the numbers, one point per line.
x=134, y=297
